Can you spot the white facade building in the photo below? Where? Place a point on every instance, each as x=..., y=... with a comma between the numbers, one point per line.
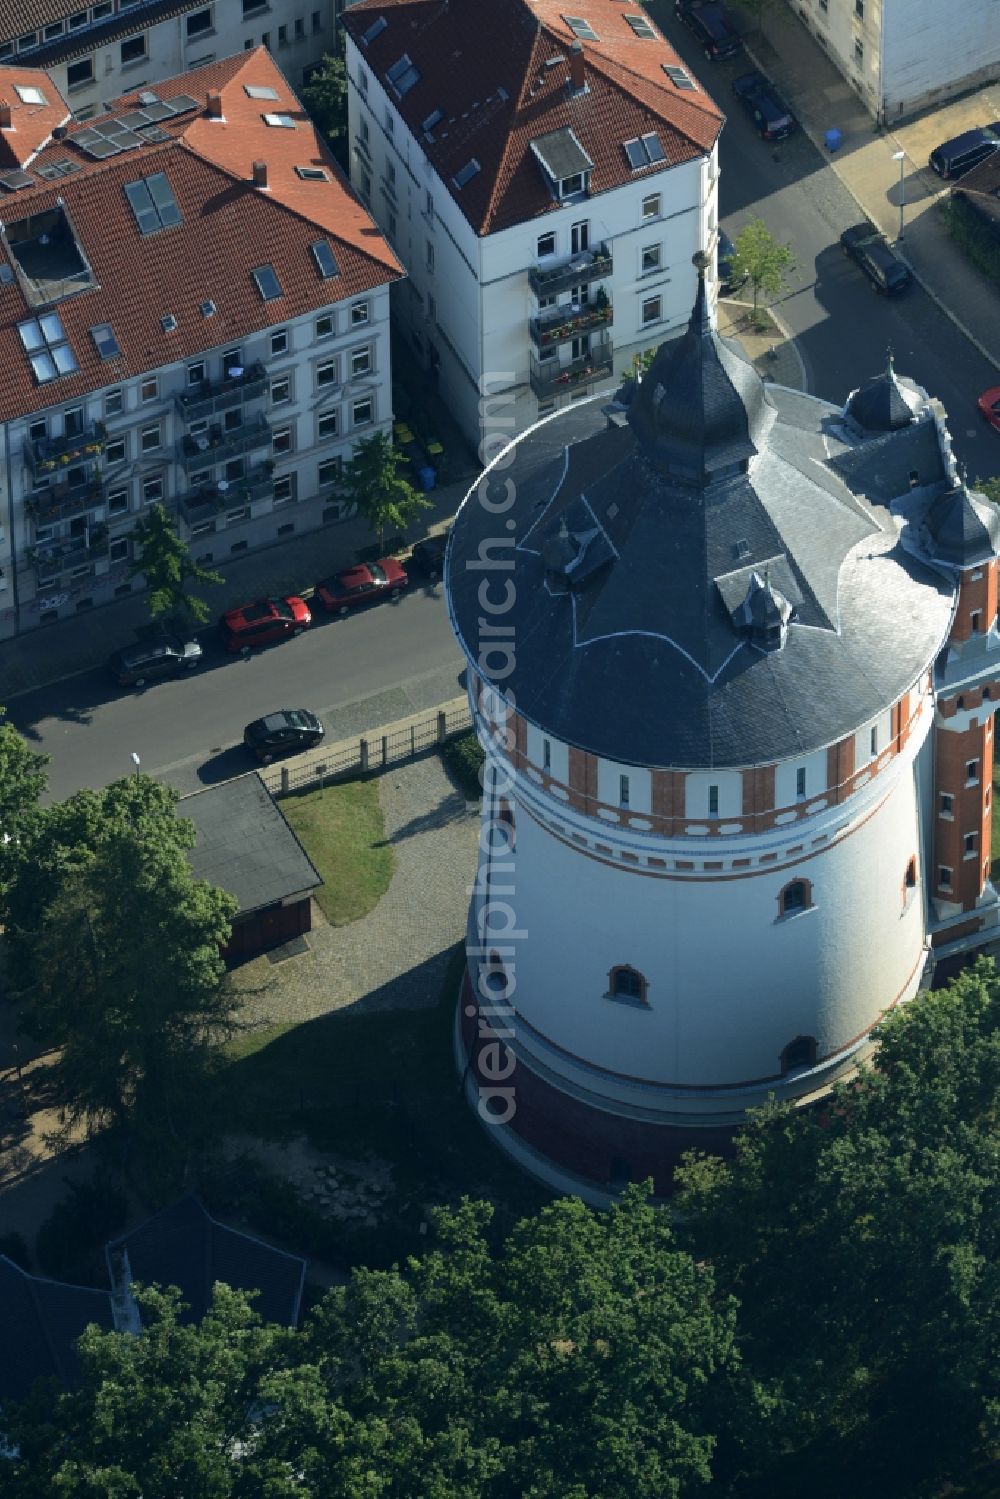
x=195, y=313
x=94, y=53
x=901, y=56
x=733, y=658
x=545, y=185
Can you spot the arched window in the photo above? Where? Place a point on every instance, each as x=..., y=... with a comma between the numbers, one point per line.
x=795, y=897
x=627, y=983
x=799, y=1053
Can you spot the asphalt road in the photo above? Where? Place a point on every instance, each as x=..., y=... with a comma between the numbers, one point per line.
x=841, y=325
x=357, y=672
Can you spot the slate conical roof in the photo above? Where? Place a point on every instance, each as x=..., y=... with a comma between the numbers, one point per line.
x=883, y=404
x=962, y=527
x=700, y=407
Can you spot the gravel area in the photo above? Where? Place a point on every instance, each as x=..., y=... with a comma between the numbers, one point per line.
x=395, y=957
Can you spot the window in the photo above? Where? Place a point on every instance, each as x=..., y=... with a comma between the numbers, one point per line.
x=260, y=91
x=117, y=501
x=650, y=259
x=366, y=186
x=282, y=36
x=329, y=471
x=977, y=621
x=623, y=791
x=199, y=22
x=326, y=263
x=26, y=42
x=364, y=132
x=429, y=206
x=281, y=440
x=119, y=549
x=568, y=186
x=644, y=151
x=281, y=390
x=625, y=982
x=73, y=421
x=910, y=877
x=29, y=94
x=873, y=745
x=196, y=372
x=944, y=877
x=283, y=489
x=250, y=6
x=326, y=426
x=799, y=1053
x=152, y=491
x=859, y=51
x=800, y=781
x=651, y=311
x=795, y=897
x=134, y=50
x=359, y=314
x=149, y=438
x=651, y=206
x=47, y=347
x=361, y=362
x=265, y=40
x=324, y=326
x=79, y=74
x=546, y=754
x=76, y=21
x=859, y=9
x=278, y=120
x=152, y=202
x=546, y=245
x=362, y=80
x=115, y=452
x=946, y=804
x=391, y=226
x=970, y=845
x=971, y=772
x=279, y=342
x=267, y=283
x=432, y=308
x=579, y=237
x=112, y=402
x=38, y=429
x=326, y=373
x=300, y=28
x=317, y=21
x=713, y=801
x=148, y=389
x=362, y=412
x=429, y=257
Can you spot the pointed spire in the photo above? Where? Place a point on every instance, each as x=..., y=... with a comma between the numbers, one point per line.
x=890, y=368
x=701, y=315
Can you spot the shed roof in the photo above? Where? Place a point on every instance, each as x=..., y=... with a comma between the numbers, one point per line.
x=244, y=844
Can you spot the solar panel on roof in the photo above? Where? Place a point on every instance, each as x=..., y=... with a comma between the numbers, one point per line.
x=14, y=179
x=101, y=148
x=51, y=170
x=181, y=103
x=134, y=120
x=155, y=109
x=154, y=133
x=85, y=138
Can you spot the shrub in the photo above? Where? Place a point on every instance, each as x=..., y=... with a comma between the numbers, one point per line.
x=83, y=1222
x=463, y=756
x=973, y=236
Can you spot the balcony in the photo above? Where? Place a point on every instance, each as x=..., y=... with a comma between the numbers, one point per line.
x=219, y=443
x=63, y=501
x=52, y=558
x=589, y=265
x=564, y=323
x=549, y=378
x=210, y=396
x=46, y=455
x=209, y=499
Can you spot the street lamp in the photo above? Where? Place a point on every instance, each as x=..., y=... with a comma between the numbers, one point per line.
x=136, y=762
x=900, y=156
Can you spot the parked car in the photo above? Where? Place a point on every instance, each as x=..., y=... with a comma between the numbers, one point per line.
x=368, y=583
x=149, y=660
x=884, y=269
x=263, y=621
x=712, y=26
x=989, y=405
x=772, y=119
x=728, y=283
x=427, y=557
x=283, y=733
x=952, y=159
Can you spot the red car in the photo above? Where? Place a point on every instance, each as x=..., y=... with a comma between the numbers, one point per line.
x=989, y=405
x=367, y=583
x=263, y=621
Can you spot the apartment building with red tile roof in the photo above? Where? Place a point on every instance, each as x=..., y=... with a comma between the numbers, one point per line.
x=545, y=177
x=193, y=310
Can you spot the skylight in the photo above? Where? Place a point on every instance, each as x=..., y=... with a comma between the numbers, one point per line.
x=47, y=347
x=29, y=94
x=375, y=29
x=644, y=151
x=168, y=322
x=679, y=77
x=104, y=341
x=259, y=91
x=641, y=27
x=311, y=174
x=153, y=204
x=208, y=308
x=402, y=76
x=324, y=258
x=581, y=28
x=466, y=174
x=267, y=282
x=434, y=118
x=282, y=121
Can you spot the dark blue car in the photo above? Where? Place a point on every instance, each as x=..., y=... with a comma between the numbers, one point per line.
x=772, y=119
x=712, y=26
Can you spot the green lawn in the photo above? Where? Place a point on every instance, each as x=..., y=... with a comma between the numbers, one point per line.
x=343, y=832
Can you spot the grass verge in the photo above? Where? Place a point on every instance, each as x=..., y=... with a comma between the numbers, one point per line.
x=342, y=830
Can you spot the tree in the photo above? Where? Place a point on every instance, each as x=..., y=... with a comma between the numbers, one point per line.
x=764, y=261
x=862, y=1243
x=116, y=947
x=990, y=488
x=22, y=782
x=168, y=567
x=372, y=481
x=325, y=95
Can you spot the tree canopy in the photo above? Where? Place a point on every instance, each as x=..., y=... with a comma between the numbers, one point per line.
x=168, y=567
x=22, y=782
x=325, y=95
x=764, y=260
x=373, y=482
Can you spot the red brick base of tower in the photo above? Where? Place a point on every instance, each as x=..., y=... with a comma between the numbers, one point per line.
x=604, y=1149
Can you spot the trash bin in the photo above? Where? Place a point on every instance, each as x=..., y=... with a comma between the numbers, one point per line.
x=833, y=139
x=427, y=477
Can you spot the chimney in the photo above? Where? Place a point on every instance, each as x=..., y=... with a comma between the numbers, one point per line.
x=59, y=133
x=5, y=120
x=214, y=105
x=577, y=82
x=260, y=174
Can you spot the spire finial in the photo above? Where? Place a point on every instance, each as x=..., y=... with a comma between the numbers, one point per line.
x=701, y=262
x=888, y=359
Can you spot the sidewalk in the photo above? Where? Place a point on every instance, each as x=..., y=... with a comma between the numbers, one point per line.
x=48, y=654
x=822, y=99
